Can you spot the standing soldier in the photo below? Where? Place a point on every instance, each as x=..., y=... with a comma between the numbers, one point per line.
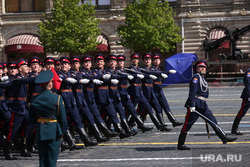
x=48, y=113
x=196, y=102
x=159, y=92
x=245, y=103
x=18, y=107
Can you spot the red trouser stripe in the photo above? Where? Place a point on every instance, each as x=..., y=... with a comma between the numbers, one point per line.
x=186, y=120
x=242, y=107
x=11, y=126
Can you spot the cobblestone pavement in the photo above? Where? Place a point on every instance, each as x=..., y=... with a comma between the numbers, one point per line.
x=156, y=149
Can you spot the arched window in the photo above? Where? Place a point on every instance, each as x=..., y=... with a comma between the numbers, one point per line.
x=218, y=33
x=19, y=6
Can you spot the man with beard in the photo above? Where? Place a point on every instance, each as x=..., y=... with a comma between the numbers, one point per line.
x=196, y=102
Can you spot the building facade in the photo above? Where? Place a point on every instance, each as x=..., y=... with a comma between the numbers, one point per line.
x=196, y=18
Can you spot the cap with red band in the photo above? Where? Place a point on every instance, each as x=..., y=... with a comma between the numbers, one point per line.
x=64, y=60
x=156, y=56
x=21, y=62
x=75, y=59
x=121, y=57
x=87, y=58
x=11, y=65
x=49, y=60
x=135, y=56
x=201, y=63
x=99, y=57
x=147, y=55
x=112, y=57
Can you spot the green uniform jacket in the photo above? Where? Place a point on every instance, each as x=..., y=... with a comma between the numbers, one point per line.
x=48, y=105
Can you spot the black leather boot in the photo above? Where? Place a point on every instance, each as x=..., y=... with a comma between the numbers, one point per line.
x=7, y=151
x=141, y=126
x=121, y=132
x=71, y=141
x=224, y=138
x=85, y=138
x=181, y=142
x=172, y=119
x=24, y=151
x=108, y=134
x=31, y=141
x=127, y=129
x=162, y=122
x=156, y=121
x=98, y=134
x=63, y=146
x=235, y=126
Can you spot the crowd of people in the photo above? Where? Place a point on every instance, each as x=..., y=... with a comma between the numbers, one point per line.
x=108, y=101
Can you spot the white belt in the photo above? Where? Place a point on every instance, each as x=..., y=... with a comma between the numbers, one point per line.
x=201, y=98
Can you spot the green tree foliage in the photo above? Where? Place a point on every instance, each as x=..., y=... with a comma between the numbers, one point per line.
x=149, y=25
x=70, y=28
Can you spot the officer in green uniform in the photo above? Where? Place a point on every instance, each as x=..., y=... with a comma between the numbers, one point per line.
x=48, y=112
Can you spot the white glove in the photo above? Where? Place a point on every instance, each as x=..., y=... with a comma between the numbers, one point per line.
x=4, y=78
x=61, y=79
x=114, y=81
x=130, y=77
x=153, y=77
x=72, y=80
x=97, y=82
x=249, y=99
x=164, y=75
x=140, y=76
x=106, y=76
x=192, y=109
x=84, y=81
x=172, y=71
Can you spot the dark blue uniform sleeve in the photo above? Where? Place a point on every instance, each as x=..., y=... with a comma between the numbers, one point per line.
x=247, y=82
x=193, y=88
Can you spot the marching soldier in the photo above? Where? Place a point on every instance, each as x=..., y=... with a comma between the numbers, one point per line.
x=196, y=103
x=18, y=107
x=245, y=103
x=88, y=92
x=48, y=113
x=148, y=90
x=102, y=97
x=135, y=91
x=159, y=92
x=80, y=99
x=125, y=99
x=115, y=95
x=70, y=103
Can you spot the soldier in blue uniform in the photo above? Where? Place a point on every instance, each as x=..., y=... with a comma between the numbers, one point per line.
x=57, y=65
x=18, y=107
x=114, y=93
x=70, y=103
x=245, y=103
x=125, y=99
x=135, y=91
x=158, y=89
x=198, y=94
x=48, y=113
x=5, y=115
x=88, y=92
x=80, y=99
x=33, y=90
x=102, y=97
x=147, y=87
